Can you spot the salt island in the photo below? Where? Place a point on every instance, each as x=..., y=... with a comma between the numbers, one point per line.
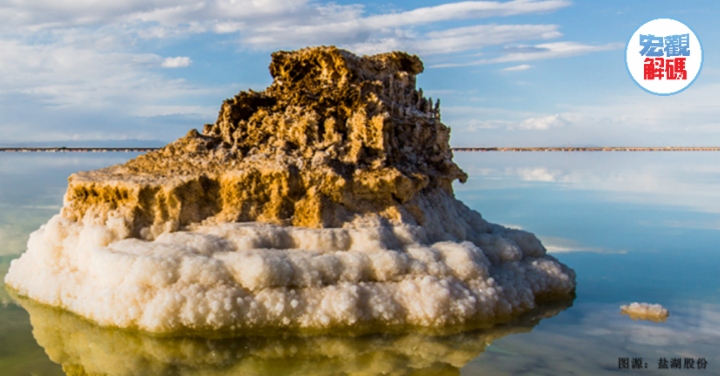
x=323, y=203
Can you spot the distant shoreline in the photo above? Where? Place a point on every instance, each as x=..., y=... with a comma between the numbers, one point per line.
x=598, y=148
x=483, y=149
x=74, y=150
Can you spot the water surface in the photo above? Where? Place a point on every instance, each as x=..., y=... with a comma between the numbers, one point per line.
x=635, y=226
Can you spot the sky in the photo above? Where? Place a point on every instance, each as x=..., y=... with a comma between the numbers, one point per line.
x=507, y=73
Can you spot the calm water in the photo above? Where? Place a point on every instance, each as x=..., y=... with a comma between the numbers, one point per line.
x=634, y=226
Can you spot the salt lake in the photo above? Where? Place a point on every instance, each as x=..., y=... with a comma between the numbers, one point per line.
x=635, y=226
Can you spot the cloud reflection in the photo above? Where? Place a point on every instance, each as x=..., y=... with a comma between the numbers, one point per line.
x=590, y=340
x=563, y=245
x=683, y=179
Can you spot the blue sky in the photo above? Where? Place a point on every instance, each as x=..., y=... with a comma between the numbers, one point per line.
x=508, y=73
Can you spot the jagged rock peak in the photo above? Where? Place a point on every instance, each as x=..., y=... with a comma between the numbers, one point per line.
x=362, y=110
x=335, y=137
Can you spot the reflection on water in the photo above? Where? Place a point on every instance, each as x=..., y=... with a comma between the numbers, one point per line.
x=592, y=336
x=84, y=348
x=605, y=202
x=685, y=179
x=32, y=186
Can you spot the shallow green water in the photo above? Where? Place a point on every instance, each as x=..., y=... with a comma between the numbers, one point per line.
x=634, y=226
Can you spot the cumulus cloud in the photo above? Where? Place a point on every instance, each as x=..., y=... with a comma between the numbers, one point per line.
x=347, y=26
x=83, y=56
x=47, y=14
x=277, y=24
x=65, y=90
x=62, y=75
x=176, y=62
x=59, y=13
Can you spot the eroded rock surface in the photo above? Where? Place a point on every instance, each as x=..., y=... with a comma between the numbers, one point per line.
x=334, y=137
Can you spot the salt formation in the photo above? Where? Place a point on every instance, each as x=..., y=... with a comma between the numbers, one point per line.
x=645, y=311
x=323, y=203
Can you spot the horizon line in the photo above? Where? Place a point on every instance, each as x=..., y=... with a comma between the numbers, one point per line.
x=62, y=149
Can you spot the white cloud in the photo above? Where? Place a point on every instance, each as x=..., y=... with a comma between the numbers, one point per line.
x=176, y=62
x=72, y=90
x=672, y=118
x=474, y=125
x=541, y=174
x=551, y=51
x=346, y=26
x=467, y=9
x=83, y=56
x=467, y=117
x=152, y=110
x=46, y=14
x=543, y=123
x=268, y=25
x=458, y=39
x=229, y=27
x=68, y=76
x=542, y=51
x=478, y=119
x=515, y=68
x=627, y=118
x=63, y=13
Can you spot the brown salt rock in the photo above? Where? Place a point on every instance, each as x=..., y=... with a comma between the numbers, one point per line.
x=334, y=139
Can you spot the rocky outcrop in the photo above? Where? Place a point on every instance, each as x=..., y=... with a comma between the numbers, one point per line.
x=335, y=137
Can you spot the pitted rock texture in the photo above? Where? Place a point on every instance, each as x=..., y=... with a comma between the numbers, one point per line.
x=336, y=138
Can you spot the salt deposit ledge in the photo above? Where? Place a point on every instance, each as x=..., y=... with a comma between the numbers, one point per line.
x=324, y=202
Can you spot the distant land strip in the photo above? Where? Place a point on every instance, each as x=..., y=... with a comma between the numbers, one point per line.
x=599, y=148
x=484, y=149
x=75, y=150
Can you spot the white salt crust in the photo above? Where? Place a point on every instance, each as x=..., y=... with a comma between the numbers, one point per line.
x=236, y=276
x=645, y=311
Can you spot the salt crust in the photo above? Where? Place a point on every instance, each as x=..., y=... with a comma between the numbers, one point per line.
x=645, y=311
x=239, y=276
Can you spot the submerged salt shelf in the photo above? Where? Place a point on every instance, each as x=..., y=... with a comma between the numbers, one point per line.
x=330, y=211
x=244, y=276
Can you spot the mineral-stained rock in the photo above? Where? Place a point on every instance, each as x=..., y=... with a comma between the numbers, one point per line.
x=334, y=137
x=324, y=202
